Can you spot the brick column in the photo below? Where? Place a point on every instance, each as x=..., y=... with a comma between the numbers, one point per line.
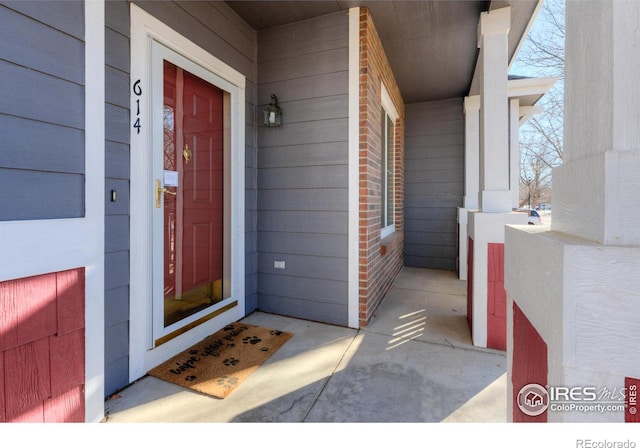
x=379, y=260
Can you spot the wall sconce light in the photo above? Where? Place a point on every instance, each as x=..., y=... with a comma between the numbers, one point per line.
x=272, y=114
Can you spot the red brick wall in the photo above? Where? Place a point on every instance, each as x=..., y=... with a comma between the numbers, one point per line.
x=379, y=261
x=496, y=298
x=42, y=348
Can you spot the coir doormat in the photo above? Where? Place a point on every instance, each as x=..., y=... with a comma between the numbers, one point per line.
x=217, y=365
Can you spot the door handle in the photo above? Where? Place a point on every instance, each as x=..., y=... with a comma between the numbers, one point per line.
x=186, y=154
x=159, y=190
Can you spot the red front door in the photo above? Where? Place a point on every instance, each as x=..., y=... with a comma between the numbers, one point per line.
x=193, y=191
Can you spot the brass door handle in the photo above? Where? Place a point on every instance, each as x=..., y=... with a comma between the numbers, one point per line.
x=186, y=154
x=160, y=190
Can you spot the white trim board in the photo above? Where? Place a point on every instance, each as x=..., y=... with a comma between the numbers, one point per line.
x=94, y=206
x=390, y=110
x=144, y=29
x=354, y=168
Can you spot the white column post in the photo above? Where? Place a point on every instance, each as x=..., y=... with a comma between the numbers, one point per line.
x=471, y=151
x=578, y=283
x=471, y=176
x=596, y=189
x=494, y=113
x=514, y=151
x=485, y=227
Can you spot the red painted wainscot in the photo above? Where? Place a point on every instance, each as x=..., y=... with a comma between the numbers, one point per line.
x=470, y=284
x=496, y=298
x=42, y=348
x=529, y=362
x=632, y=400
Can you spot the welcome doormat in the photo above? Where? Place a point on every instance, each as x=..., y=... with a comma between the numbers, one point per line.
x=217, y=365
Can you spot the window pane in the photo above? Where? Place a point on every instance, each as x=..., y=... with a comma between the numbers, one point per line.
x=383, y=162
x=390, y=166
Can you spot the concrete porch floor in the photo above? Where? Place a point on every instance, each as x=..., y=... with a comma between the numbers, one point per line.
x=414, y=363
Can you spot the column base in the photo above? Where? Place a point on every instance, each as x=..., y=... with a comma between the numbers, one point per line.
x=462, y=242
x=486, y=309
x=583, y=299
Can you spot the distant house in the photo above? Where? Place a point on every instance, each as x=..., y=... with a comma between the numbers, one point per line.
x=146, y=199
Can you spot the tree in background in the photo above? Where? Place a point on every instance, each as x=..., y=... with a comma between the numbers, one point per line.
x=542, y=55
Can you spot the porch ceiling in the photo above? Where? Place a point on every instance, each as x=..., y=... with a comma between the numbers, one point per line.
x=431, y=45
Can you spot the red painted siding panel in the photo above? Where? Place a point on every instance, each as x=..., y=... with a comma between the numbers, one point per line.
x=8, y=317
x=34, y=414
x=500, y=303
x=3, y=415
x=27, y=377
x=499, y=254
x=491, y=293
x=67, y=362
x=42, y=348
x=37, y=305
x=496, y=298
x=470, y=285
x=632, y=400
x=70, y=293
x=493, y=263
x=65, y=408
x=496, y=332
x=529, y=362
x=28, y=307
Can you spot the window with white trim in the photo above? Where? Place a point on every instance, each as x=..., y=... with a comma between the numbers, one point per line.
x=388, y=168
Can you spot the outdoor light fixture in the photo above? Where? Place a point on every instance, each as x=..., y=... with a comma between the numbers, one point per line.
x=272, y=114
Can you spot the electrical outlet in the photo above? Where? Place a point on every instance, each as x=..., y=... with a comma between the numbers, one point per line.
x=278, y=264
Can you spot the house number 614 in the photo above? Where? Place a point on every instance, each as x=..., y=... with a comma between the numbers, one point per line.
x=137, y=91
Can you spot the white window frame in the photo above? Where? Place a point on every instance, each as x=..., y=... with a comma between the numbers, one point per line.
x=392, y=113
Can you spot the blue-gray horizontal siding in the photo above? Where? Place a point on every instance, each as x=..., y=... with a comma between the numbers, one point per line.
x=216, y=28
x=303, y=170
x=42, y=159
x=434, y=182
x=117, y=176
